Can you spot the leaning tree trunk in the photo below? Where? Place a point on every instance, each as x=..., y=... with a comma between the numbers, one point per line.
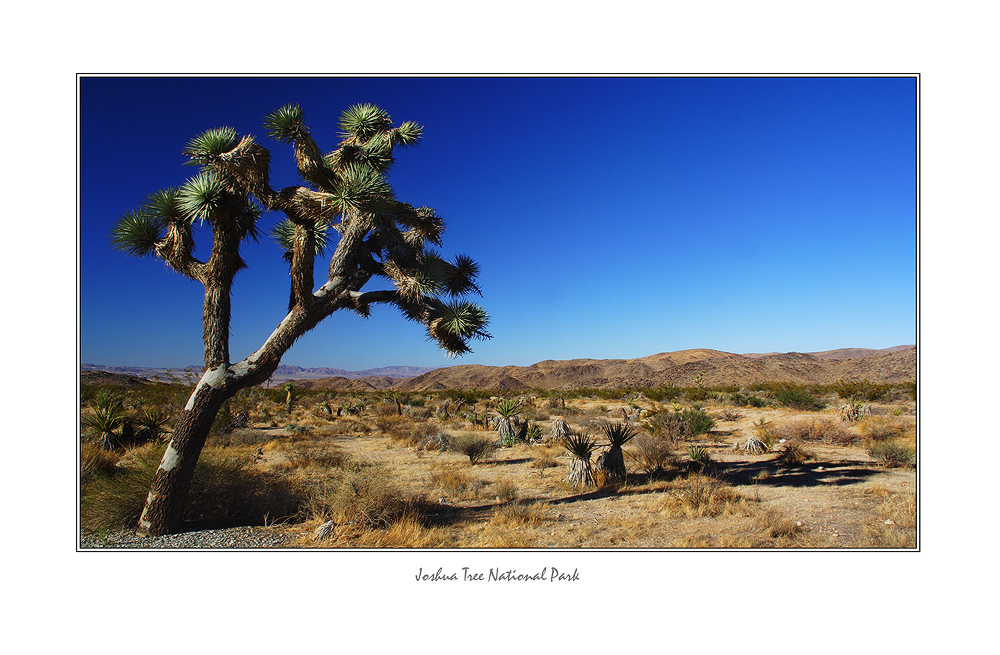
x=165, y=502
x=612, y=462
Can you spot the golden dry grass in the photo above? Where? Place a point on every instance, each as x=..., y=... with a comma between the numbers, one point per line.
x=385, y=485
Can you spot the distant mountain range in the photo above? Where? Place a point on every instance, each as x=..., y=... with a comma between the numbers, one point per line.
x=283, y=374
x=711, y=368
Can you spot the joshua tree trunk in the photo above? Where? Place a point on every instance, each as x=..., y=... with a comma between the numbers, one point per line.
x=164, y=504
x=506, y=429
x=612, y=462
x=580, y=473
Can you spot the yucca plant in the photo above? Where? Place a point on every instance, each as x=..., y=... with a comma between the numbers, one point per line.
x=612, y=461
x=698, y=458
x=559, y=431
x=152, y=423
x=507, y=408
x=105, y=423
x=580, y=446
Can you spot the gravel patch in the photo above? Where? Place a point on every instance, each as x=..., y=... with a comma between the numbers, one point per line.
x=228, y=538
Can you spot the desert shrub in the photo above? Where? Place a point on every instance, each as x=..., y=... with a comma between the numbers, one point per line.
x=698, y=421
x=438, y=441
x=649, y=452
x=506, y=491
x=361, y=495
x=862, y=391
x=474, y=446
x=880, y=428
x=668, y=426
x=731, y=415
x=813, y=430
x=891, y=455
x=798, y=399
x=794, y=453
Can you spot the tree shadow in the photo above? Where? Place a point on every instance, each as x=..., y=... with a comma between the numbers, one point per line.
x=773, y=473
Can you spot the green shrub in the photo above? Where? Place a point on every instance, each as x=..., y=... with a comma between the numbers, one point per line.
x=698, y=421
x=798, y=399
x=891, y=454
x=474, y=446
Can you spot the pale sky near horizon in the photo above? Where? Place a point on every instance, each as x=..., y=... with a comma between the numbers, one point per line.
x=611, y=217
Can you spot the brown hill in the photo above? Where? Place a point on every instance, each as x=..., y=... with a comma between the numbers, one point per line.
x=684, y=368
x=711, y=368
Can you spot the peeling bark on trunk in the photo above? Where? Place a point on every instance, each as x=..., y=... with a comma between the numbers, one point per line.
x=165, y=502
x=580, y=474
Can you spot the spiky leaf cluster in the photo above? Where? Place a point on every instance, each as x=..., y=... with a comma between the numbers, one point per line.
x=618, y=434
x=580, y=446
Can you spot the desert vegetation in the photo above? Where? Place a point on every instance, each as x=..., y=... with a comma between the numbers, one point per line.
x=731, y=468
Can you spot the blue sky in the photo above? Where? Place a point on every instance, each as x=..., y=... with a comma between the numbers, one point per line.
x=611, y=217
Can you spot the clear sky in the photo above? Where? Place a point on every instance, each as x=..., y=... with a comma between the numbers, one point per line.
x=611, y=217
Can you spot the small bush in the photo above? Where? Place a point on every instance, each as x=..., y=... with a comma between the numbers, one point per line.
x=798, y=399
x=362, y=495
x=731, y=415
x=794, y=453
x=880, y=428
x=650, y=453
x=474, y=446
x=698, y=421
x=891, y=455
x=814, y=430
x=506, y=491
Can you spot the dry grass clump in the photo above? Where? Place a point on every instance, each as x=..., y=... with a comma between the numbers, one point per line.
x=407, y=532
x=895, y=521
x=544, y=457
x=880, y=428
x=241, y=437
x=506, y=491
x=813, y=430
x=456, y=483
x=700, y=495
x=769, y=528
x=95, y=461
x=890, y=454
x=794, y=453
x=512, y=526
x=304, y=455
x=358, y=495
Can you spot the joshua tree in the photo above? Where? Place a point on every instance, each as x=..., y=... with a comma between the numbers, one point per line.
x=559, y=431
x=345, y=190
x=612, y=461
x=507, y=409
x=580, y=446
